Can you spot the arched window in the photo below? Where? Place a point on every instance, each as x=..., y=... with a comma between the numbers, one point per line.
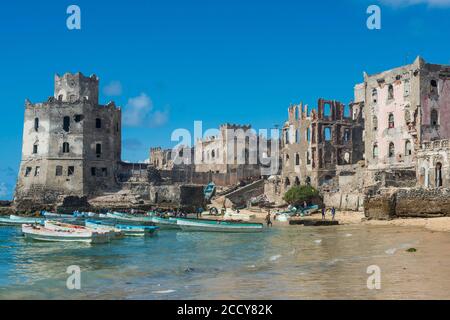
x=374, y=95
x=308, y=134
x=36, y=124
x=433, y=86
x=297, y=159
x=391, y=92
x=408, y=148
x=391, y=121
x=213, y=154
x=308, y=158
x=98, y=123
x=375, y=151
x=287, y=158
x=375, y=123
x=407, y=117
x=438, y=175
x=297, y=181
x=35, y=148
x=66, y=124
x=286, y=136
x=434, y=118
x=327, y=110
x=66, y=147
x=297, y=136
x=391, y=153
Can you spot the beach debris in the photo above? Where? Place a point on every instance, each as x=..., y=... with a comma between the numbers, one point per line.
x=318, y=241
x=391, y=251
x=275, y=257
x=164, y=291
x=411, y=250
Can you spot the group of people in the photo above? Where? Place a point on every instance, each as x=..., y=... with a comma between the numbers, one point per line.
x=332, y=210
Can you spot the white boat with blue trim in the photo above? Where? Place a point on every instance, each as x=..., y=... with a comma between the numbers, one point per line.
x=218, y=225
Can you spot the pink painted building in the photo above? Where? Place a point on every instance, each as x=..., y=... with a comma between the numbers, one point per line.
x=404, y=107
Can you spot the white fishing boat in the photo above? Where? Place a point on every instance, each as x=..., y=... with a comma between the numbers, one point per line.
x=13, y=220
x=218, y=225
x=41, y=233
x=60, y=226
x=165, y=223
x=100, y=225
x=128, y=217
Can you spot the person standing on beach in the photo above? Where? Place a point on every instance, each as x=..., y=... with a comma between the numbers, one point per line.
x=333, y=213
x=323, y=213
x=268, y=221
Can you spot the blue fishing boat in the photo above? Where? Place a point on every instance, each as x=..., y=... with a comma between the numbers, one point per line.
x=137, y=230
x=209, y=190
x=218, y=225
x=52, y=215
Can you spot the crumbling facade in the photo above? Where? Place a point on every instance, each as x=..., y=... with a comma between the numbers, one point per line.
x=405, y=107
x=71, y=143
x=316, y=142
x=433, y=166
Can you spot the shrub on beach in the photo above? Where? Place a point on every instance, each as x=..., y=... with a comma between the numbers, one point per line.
x=298, y=194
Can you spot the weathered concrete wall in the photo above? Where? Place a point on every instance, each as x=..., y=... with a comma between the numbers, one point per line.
x=71, y=144
x=241, y=196
x=344, y=201
x=408, y=203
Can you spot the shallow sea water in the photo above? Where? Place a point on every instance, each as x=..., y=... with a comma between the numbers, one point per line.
x=291, y=262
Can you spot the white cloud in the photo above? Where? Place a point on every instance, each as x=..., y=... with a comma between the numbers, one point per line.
x=3, y=190
x=159, y=118
x=137, y=110
x=406, y=3
x=114, y=88
x=139, y=113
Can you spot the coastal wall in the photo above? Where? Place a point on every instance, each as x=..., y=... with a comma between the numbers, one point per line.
x=344, y=201
x=408, y=203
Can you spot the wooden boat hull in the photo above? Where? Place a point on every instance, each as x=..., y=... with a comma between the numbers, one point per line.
x=127, y=218
x=218, y=226
x=115, y=233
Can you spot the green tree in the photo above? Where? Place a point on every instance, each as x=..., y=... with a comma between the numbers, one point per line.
x=298, y=194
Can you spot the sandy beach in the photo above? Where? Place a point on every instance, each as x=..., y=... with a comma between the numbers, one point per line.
x=350, y=217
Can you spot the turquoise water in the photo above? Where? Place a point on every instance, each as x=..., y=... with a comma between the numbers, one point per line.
x=282, y=263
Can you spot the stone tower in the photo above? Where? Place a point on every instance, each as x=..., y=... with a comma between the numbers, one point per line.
x=71, y=144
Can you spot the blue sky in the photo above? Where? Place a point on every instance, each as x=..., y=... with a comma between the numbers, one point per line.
x=170, y=62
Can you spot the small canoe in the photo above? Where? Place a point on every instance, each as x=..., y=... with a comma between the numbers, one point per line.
x=13, y=220
x=40, y=233
x=100, y=225
x=165, y=223
x=218, y=226
x=138, y=231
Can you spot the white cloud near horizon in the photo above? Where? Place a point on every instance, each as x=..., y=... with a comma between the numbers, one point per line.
x=139, y=113
x=114, y=88
x=406, y=3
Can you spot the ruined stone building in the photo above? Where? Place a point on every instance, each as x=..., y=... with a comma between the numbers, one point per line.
x=433, y=164
x=71, y=143
x=405, y=107
x=316, y=142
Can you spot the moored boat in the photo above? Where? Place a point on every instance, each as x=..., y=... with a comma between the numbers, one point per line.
x=128, y=217
x=138, y=231
x=13, y=220
x=100, y=225
x=218, y=225
x=41, y=233
x=52, y=215
x=61, y=226
x=165, y=223
x=230, y=215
